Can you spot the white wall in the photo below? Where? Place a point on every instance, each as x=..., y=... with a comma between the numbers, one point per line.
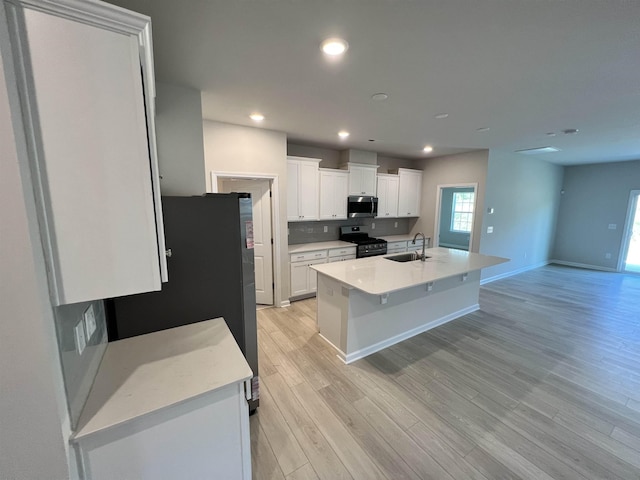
x=34, y=423
x=594, y=196
x=237, y=149
x=179, y=140
x=524, y=193
x=464, y=168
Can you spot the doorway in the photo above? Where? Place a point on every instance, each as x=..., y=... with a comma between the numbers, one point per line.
x=631, y=239
x=455, y=211
x=260, y=190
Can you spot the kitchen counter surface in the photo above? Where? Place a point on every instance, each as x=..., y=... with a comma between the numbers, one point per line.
x=378, y=275
x=308, y=247
x=147, y=373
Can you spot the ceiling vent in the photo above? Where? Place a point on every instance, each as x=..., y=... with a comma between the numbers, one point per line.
x=538, y=151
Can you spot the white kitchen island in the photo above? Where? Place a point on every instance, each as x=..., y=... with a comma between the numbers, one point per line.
x=368, y=304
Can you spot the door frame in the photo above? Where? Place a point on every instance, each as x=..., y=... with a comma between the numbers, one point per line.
x=626, y=234
x=436, y=228
x=275, y=223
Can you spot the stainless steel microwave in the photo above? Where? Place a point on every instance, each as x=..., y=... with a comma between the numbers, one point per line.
x=362, y=206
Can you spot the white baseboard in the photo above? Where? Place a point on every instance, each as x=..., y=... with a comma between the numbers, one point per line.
x=514, y=272
x=358, y=354
x=583, y=265
x=284, y=303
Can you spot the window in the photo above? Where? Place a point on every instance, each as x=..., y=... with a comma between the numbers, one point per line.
x=462, y=212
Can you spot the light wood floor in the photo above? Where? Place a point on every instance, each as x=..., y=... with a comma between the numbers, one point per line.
x=542, y=383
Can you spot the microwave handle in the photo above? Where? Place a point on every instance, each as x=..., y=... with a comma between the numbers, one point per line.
x=372, y=205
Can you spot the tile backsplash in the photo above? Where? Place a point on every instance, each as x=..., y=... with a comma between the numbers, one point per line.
x=79, y=370
x=308, y=232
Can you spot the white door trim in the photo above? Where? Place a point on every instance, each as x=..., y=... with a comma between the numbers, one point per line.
x=436, y=228
x=275, y=222
x=624, y=245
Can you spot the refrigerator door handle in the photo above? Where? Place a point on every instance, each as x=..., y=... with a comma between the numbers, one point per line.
x=247, y=389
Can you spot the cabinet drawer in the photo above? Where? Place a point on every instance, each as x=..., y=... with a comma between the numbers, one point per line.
x=396, y=245
x=306, y=256
x=342, y=258
x=339, y=252
x=397, y=249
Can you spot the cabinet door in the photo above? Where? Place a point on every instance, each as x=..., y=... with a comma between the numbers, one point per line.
x=327, y=200
x=340, y=194
x=362, y=180
x=293, y=182
x=299, y=278
x=308, y=191
x=313, y=275
x=88, y=125
x=355, y=181
x=410, y=187
x=392, y=196
x=369, y=181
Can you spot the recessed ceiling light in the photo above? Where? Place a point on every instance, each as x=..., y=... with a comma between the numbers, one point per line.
x=256, y=117
x=570, y=131
x=427, y=149
x=334, y=46
x=483, y=129
x=343, y=134
x=442, y=115
x=372, y=140
x=536, y=151
x=379, y=97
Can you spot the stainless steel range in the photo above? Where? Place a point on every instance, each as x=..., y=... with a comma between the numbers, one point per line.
x=367, y=246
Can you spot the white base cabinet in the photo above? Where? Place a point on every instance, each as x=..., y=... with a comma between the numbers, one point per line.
x=167, y=405
x=303, y=279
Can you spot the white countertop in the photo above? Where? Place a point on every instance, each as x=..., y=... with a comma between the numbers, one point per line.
x=144, y=374
x=377, y=275
x=308, y=247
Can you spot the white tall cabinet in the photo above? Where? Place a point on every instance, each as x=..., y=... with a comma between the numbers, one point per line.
x=85, y=77
x=410, y=192
x=333, y=194
x=388, y=195
x=302, y=189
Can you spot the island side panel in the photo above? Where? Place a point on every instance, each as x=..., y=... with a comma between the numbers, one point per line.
x=333, y=311
x=372, y=326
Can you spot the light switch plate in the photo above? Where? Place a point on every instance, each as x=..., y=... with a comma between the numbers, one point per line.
x=373, y=226
x=613, y=226
x=89, y=321
x=81, y=341
x=489, y=229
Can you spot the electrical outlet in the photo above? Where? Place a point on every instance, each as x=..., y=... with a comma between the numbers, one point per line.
x=81, y=341
x=395, y=224
x=373, y=226
x=607, y=256
x=89, y=321
x=490, y=211
x=325, y=229
x=613, y=226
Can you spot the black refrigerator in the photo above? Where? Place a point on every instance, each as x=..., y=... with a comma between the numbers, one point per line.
x=211, y=274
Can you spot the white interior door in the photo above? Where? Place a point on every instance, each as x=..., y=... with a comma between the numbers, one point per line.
x=631, y=241
x=261, y=199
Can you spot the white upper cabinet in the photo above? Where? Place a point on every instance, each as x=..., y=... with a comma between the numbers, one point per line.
x=333, y=194
x=303, y=184
x=362, y=179
x=388, y=195
x=410, y=192
x=85, y=76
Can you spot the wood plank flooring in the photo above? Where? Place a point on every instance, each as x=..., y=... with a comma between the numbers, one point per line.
x=543, y=382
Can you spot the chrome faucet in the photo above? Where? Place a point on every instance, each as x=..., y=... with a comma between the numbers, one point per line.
x=424, y=244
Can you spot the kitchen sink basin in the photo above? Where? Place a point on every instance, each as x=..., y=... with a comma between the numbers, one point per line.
x=405, y=257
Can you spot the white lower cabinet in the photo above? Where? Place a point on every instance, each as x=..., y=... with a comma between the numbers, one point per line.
x=397, y=247
x=303, y=279
x=168, y=405
x=342, y=254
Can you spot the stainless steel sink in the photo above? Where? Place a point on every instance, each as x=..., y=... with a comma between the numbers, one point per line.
x=405, y=257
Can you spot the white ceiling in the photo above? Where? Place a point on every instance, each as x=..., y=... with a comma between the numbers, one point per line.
x=520, y=67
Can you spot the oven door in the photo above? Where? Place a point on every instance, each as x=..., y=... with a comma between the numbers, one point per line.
x=362, y=206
